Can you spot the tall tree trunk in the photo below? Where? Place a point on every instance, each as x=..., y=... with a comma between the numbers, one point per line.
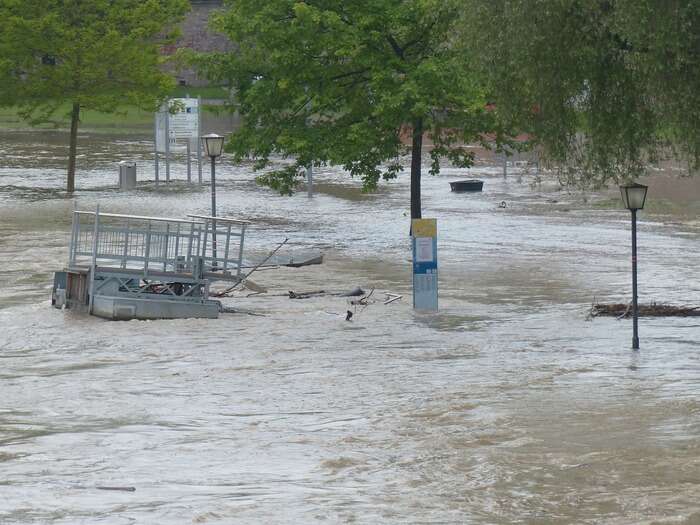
x=416, y=155
x=72, y=150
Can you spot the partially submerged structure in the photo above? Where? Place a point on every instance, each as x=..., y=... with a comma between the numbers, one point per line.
x=135, y=267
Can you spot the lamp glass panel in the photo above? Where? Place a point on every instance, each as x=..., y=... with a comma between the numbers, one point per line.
x=636, y=196
x=625, y=201
x=213, y=145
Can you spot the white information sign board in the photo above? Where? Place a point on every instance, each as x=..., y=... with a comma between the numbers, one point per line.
x=182, y=124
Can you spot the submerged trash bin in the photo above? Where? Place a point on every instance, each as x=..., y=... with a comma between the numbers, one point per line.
x=461, y=186
x=127, y=175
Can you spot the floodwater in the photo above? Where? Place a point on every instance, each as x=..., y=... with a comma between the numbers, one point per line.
x=507, y=406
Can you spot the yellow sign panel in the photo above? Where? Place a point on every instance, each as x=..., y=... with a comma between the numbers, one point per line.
x=424, y=227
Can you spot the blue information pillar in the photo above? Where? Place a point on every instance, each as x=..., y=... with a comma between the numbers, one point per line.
x=425, y=265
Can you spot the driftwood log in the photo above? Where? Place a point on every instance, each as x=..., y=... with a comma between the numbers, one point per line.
x=355, y=292
x=621, y=310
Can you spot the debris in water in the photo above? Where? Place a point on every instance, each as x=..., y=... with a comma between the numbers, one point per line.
x=122, y=489
x=229, y=310
x=305, y=295
x=391, y=297
x=355, y=292
x=621, y=310
x=363, y=300
x=249, y=284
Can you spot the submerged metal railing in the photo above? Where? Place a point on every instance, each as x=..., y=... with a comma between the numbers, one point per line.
x=221, y=248
x=199, y=245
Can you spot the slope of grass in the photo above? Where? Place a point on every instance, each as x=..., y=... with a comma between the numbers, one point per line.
x=126, y=119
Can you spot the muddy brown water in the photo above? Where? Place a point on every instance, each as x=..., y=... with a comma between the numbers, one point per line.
x=507, y=406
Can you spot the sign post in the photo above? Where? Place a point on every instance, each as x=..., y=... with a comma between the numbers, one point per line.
x=425, y=266
x=310, y=180
x=189, y=163
x=177, y=127
x=199, y=142
x=155, y=149
x=167, y=145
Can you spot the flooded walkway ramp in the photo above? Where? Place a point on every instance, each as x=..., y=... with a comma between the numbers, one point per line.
x=138, y=267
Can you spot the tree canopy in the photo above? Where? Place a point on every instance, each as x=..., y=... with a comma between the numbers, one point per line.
x=96, y=55
x=605, y=87
x=342, y=82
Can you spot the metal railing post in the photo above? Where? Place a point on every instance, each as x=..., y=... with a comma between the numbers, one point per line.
x=126, y=244
x=226, y=247
x=189, y=247
x=203, y=253
x=177, y=248
x=147, y=253
x=73, y=237
x=165, y=248
x=95, y=236
x=240, y=251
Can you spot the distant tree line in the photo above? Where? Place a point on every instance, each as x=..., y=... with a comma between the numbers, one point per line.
x=602, y=88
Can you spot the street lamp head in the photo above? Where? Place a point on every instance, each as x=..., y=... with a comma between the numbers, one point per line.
x=633, y=196
x=213, y=145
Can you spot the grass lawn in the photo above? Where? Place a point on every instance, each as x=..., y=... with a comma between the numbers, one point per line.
x=126, y=119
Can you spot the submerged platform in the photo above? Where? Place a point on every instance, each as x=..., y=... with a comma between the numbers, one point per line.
x=137, y=267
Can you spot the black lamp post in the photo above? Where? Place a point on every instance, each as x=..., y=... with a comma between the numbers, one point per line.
x=633, y=197
x=213, y=146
